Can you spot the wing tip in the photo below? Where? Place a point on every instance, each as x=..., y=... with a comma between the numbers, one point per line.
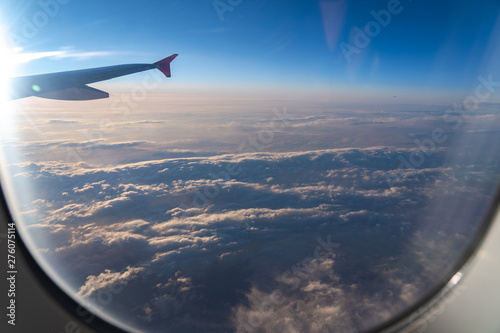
x=164, y=65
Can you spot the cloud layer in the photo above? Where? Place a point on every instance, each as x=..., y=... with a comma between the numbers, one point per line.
x=193, y=244
x=253, y=226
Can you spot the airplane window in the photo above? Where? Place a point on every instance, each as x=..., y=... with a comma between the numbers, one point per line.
x=250, y=166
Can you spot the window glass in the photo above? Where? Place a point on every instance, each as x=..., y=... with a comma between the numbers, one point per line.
x=309, y=166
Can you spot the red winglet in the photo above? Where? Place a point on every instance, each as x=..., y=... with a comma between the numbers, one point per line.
x=164, y=65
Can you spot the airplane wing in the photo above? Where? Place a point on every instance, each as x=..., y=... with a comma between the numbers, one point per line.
x=72, y=85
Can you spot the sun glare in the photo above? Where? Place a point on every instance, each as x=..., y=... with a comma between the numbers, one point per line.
x=8, y=63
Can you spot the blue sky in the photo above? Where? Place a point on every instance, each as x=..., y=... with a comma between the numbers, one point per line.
x=427, y=46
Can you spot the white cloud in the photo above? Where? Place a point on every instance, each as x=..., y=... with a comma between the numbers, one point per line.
x=313, y=301
x=68, y=52
x=108, y=280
